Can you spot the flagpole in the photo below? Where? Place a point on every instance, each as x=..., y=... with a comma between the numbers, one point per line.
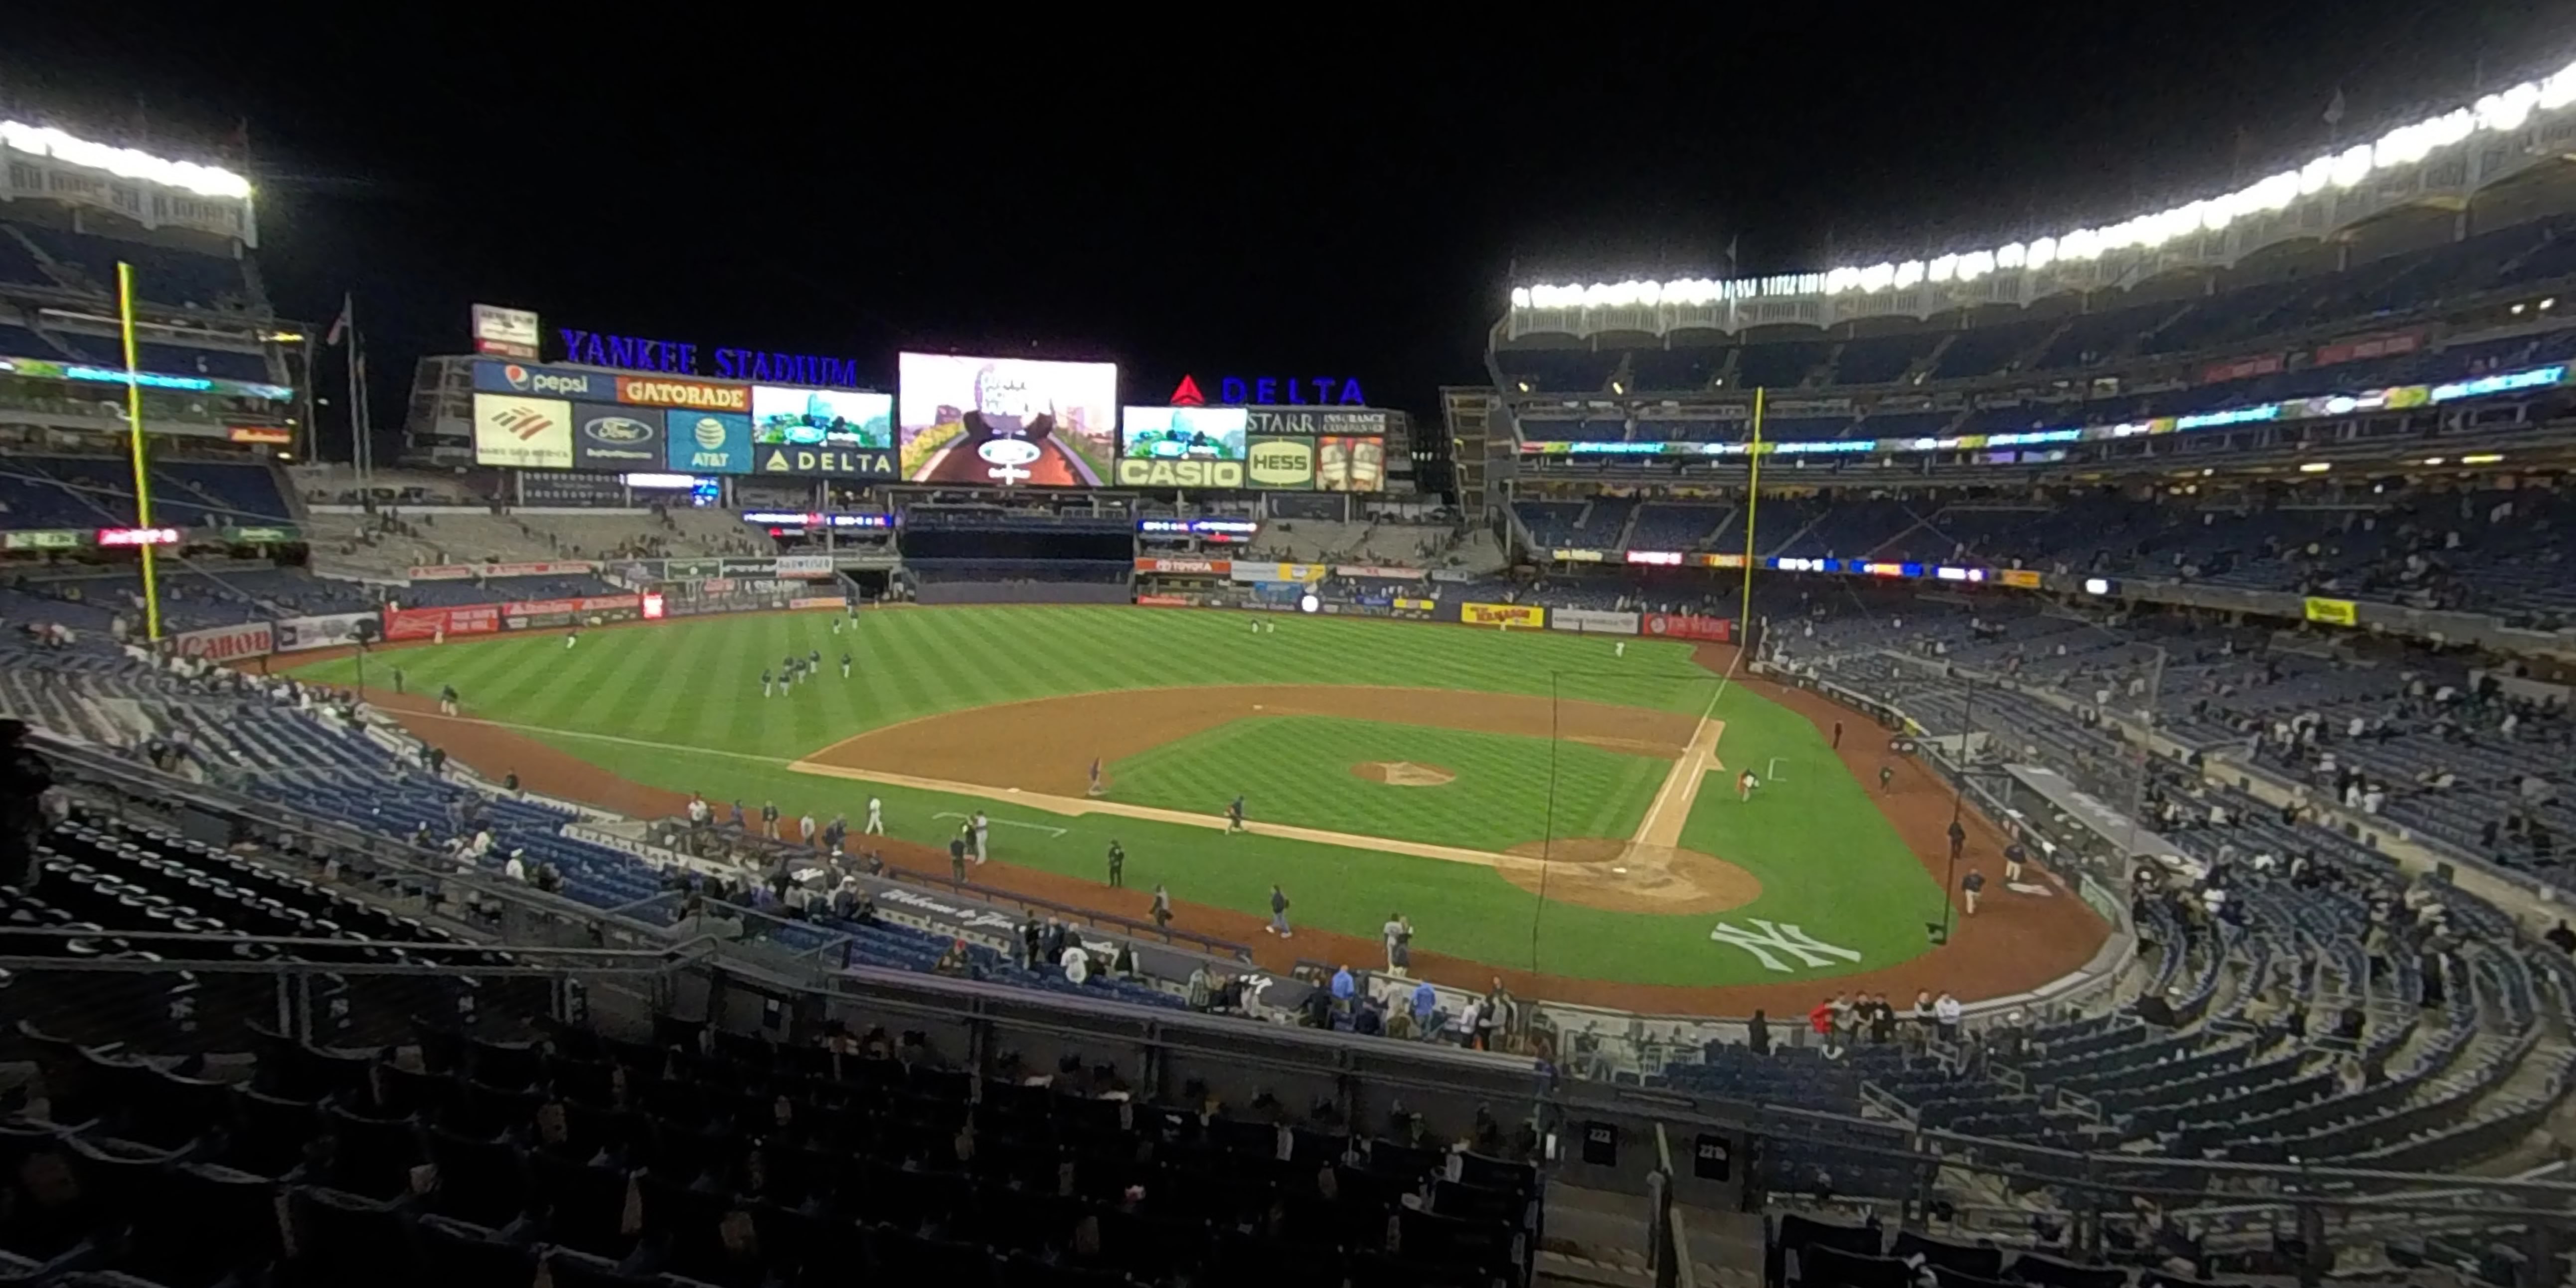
x=1752, y=502
x=134, y=437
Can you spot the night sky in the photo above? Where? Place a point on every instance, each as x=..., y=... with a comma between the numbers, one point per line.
x=1286, y=194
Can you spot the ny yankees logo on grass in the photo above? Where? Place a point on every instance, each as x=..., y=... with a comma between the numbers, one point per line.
x=1780, y=938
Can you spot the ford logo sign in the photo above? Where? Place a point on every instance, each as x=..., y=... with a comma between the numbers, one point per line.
x=1009, y=451
x=617, y=429
x=805, y=434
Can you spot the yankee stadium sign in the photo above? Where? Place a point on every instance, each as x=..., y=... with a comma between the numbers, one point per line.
x=681, y=358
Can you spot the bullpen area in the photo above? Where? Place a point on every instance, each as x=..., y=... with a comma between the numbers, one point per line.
x=1557, y=809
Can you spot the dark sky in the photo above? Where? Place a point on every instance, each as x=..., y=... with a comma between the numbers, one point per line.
x=1213, y=191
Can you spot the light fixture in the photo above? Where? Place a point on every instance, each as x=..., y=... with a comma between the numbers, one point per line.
x=125, y=163
x=2482, y=458
x=2506, y=111
x=2316, y=467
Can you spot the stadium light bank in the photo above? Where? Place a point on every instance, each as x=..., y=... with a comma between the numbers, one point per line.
x=125, y=163
x=2501, y=112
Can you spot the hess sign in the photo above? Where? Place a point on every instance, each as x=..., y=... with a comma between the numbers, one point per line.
x=138, y=536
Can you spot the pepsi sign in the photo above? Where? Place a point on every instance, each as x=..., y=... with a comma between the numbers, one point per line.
x=615, y=439
x=544, y=382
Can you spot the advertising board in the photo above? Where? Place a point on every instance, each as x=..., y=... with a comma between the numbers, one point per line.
x=1315, y=422
x=1193, y=567
x=2333, y=612
x=1006, y=422
x=225, y=643
x=522, y=433
x=507, y=333
x=1162, y=601
x=1350, y=464
x=468, y=572
x=435, y=623
x=538, y=614
x=1281, y=464
x=1591, y=621
x=1300, y=574
x=709, y=442
x=828, y=418
x=1181, y=447
x=1530, y=615
x=53, y=539
x=804, y=565
x=684, y=395
x=1679, y=626
x=1377, y=570
x=824, y=462
x=2024, y=578
x=616, y=439
x=296, y=634
x=260, y=435
x=530, y=380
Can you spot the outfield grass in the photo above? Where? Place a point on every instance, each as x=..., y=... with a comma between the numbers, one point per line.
x=678, y=706
x=1297, y=770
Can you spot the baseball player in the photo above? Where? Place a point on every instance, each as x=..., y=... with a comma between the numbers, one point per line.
x=982, y=826
x=2014, y=856
x=766, y=685
x=1970, y=886
x=572, y=637
x=876, y=817
x=447, y=700
x=1619, y=649
x=1744, y=785
x=1234, y=815
x=1117, y=865
x=1886, y=778
x=1095, y=775
x=845, y=664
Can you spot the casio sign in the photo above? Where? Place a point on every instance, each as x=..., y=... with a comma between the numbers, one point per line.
x=1162, y=473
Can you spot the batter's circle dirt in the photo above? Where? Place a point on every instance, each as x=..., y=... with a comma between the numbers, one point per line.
x=1623, y=876
x=1403, y=773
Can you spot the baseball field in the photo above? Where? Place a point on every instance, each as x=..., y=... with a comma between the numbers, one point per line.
x=1553, y=807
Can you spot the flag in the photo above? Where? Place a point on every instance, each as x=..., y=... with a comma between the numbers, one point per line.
x=339, y=325
x=1731, y=244
x=2334, y=108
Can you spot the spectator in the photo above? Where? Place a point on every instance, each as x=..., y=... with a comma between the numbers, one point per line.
x=1946, y=1013
x=1426, y=1008
x=1077, y=964
x=24, y=780
x=1757, y=1033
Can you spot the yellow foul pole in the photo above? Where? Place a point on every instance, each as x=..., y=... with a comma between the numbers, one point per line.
x=1752, y=502
x=142, y=465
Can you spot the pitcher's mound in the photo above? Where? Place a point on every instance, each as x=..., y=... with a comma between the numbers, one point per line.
x=1623, y=876
x=1403, y=773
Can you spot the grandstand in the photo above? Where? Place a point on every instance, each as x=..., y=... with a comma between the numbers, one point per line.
x=294, y=998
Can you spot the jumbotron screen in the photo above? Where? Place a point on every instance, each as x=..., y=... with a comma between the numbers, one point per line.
x=1007, y=422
